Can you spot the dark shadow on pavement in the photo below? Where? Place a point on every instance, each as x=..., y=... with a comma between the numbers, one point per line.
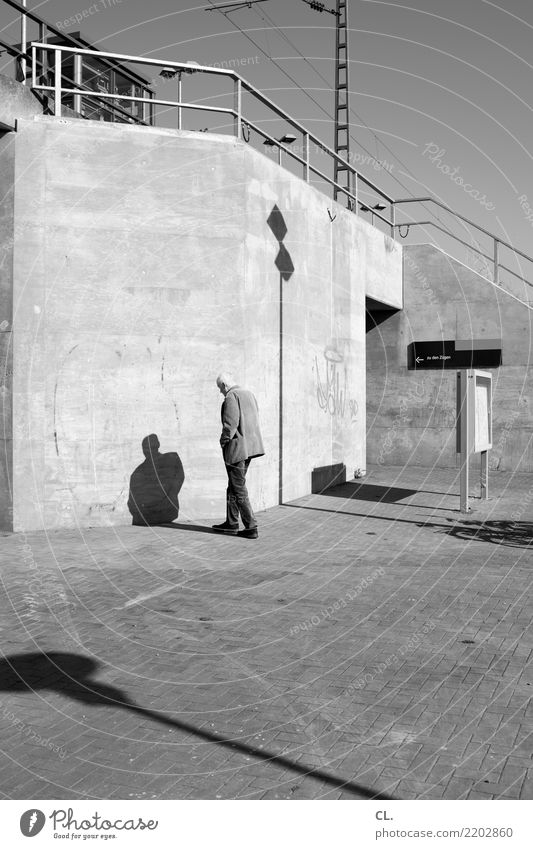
x=515, y=534
x=369, y=492
x=72, y=675
x=497, y=532
x=183, y=526
x=390, y=520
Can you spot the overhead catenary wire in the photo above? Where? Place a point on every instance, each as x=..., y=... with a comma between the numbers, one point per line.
x=316, y=102
x=267, y=19
x=289, y=76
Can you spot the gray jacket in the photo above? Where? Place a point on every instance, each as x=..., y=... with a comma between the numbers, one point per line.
x=241, y=437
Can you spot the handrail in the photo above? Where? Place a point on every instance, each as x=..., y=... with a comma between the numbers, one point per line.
x=240, y=84
x=207, y=69
x=13, y=50
x=110, y=59
x=38, y=19
x=462, y=242
x=495, y=239
x=463, y=218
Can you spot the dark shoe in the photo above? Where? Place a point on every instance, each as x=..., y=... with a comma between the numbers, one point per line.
x=224, y=528
x=249, y=533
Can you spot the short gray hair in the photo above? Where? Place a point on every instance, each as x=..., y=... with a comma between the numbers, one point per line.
x=225, y=379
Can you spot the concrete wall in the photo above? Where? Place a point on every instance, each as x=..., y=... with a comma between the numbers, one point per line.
x=411, y=415
x=7, y=172
x=17, y=101
x=143, y=266
x=382, y=282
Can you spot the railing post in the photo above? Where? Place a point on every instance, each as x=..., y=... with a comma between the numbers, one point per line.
x=57, y=82
x=279, y=154
x=237, y=105
x=44, y=54
x=392, y=219
x=179, y=101
x=77, y=82
x=33, y=66
x=356, y=191
x=23, y=42
x=496, y=262
x=306, y=156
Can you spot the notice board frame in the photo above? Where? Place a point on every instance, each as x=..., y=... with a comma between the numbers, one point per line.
x=472, y=435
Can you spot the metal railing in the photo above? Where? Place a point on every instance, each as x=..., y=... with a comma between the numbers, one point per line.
x=240, y=122
x=46, y=30
x=58, y=87
x=496, y=241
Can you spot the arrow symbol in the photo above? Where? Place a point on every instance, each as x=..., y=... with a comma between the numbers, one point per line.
x=420, y=359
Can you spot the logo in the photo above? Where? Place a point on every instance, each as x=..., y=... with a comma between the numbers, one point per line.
x=32, y=822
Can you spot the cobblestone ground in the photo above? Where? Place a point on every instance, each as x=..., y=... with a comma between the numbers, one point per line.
x=373, y=640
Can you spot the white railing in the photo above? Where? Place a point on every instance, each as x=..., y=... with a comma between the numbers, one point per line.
x=52, y=82
x=59, y=88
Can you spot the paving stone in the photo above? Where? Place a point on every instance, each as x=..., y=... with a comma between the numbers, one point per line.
x=208, y=669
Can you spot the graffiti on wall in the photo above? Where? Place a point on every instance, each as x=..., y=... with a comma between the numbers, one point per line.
x=331, y=386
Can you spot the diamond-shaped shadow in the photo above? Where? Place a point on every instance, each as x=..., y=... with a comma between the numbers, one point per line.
x=277, y=224
x=284, y=263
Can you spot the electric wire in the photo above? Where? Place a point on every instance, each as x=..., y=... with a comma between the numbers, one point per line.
x=267, y=19
x=322, y=108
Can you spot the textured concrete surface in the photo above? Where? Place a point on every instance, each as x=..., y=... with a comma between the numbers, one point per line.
x=144, y=266
x=380, y=286
x=411, y=415
x=372, y=640
x=16, y=101
x=7, y=170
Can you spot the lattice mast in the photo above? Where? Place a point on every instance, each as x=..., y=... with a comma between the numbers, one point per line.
x=342, y=93
x=342, y=88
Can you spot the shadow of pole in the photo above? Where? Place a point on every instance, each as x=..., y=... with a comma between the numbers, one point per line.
x=501, y=532
x=69, y=674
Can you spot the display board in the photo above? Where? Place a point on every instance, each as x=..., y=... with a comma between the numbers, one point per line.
x=474, y=428
x=482, y=411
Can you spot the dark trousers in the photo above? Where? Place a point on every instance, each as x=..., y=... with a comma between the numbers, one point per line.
x=237, y=500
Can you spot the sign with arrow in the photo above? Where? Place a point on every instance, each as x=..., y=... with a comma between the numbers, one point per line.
x=455, y=354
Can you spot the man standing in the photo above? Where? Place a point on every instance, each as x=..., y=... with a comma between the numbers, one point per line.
x=241, y=441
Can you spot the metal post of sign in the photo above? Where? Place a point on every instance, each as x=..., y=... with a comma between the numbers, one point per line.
x=484, y=476
x=463, y=437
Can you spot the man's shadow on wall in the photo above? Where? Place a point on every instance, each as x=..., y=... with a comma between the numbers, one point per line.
x=155, y=485
x=72, y=675
x=154, y=489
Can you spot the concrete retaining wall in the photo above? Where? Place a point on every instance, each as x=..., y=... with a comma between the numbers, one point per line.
x=19, y=101
x=7, y=176
x=411, y=416
x=143, y=266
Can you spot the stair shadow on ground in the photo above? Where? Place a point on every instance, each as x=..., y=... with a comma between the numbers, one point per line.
x=72, y=675
x=369, y=492
x=497, y=532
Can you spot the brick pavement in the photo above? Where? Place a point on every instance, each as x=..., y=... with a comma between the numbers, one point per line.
x=372, y=641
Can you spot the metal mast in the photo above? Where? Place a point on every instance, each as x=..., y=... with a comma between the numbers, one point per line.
x=342, y=89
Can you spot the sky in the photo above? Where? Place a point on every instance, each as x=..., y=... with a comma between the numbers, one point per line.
x=441, y=94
